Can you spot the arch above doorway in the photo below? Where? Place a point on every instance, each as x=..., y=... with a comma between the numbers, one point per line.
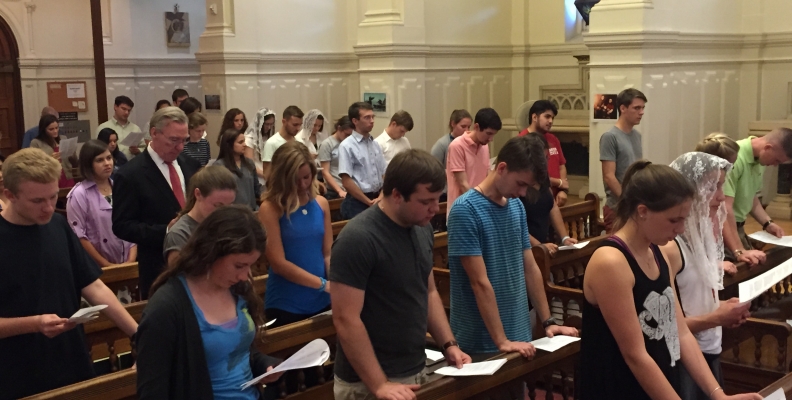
x=11, y=120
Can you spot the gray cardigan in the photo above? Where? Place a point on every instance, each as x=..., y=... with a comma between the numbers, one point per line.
x=248, y=185
x=66, y=163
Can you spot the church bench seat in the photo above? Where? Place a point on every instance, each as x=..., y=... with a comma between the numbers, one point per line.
x=784, y=383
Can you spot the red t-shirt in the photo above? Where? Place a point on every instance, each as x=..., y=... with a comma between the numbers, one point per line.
x=556, y=159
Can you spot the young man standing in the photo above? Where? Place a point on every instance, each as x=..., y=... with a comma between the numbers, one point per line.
x=540, y=119
x=361, y=163
x=290, y=127
x=620, y=147
x=178, y=96
x=392, y=140
x=493, y=271
x=742, y=184
x=120, y=123
x=468, y=155
x=384, y=297
x=43, y=274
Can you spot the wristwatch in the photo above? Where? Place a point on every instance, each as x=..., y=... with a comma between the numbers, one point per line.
x=548, y=322
x=450, y=343
x=766, y=224
x=738, y=252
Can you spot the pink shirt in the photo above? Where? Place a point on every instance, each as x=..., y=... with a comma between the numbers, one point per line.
x=467, y=156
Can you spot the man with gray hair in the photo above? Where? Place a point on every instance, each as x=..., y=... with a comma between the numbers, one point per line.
x=743, y=183
x=31, y=133
x=150, y=190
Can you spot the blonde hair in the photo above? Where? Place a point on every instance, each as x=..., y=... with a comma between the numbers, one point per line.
x=207, y=180
x=166, y=115
x=282, y=184
x=719, y=144
x=196, y=119
x=29, y=165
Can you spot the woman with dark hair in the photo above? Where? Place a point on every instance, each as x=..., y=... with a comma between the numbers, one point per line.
x=635, y=330
x=190, y=105
x=541, y=211
x=48, y=141
x=232, y=156
x=234, y=119
x=256, y=135
x=110, y=137
x=195, y=339
x=89, y=208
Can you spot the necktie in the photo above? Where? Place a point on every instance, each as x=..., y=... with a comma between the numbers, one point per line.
x=175, y=183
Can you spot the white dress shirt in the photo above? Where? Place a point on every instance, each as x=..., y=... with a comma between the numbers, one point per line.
x=164, y=169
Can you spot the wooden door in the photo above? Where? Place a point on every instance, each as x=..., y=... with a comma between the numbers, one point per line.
x=11, y=121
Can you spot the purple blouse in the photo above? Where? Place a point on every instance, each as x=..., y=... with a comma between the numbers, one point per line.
x=90, y=216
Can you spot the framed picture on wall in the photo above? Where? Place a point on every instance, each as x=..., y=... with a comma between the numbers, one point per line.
x=177, y=28
x=378, y=101
x=212, y=101
x=605, y=106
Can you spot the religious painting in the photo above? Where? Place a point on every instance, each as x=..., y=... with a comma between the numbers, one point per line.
x=177, y=29
x=605, y=106
x=377, y=101
x=212, y=101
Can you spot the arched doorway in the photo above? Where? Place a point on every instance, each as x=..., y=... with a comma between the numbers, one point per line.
x=11, y=119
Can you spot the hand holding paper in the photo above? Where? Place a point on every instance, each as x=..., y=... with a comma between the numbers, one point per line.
x=554, y=343
x=575, y=246
x=313, y=354
x=769, y=238
x=472, y=369
x=84, y=315
x=132, y=139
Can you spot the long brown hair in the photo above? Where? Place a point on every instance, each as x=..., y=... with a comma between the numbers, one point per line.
x=207, y=180
x=658, y=187
x=228, y=122
x=227, y=153
x=282, y=185
x=228, y=230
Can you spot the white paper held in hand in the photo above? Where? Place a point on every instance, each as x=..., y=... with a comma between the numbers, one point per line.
x=433, y=355
x=132, y=139
x=473, y=369
x=777, y=395
x=270, y=323
x=314, y=353
x=554, y=343
x=67, y=147
x=575, y=246
x=86, y=314
x=752, y=288
x=769, y=238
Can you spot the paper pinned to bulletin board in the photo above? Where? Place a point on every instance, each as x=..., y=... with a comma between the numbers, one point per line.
x=67, y=96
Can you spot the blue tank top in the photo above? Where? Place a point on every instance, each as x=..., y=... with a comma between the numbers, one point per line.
x=227, y=351
x=302, y=234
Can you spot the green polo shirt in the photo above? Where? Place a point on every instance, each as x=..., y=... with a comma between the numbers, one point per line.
x=744, y=181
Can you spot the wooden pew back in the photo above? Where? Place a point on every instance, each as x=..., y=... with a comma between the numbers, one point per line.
x=582, y=219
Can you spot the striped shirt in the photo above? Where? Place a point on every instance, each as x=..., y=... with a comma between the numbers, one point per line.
x=477, y=226
x=198, y=150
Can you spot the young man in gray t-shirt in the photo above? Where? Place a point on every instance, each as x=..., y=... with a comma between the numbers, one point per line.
x=620, y=147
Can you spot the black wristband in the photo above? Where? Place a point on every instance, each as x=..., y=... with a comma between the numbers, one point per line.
x=766, y=224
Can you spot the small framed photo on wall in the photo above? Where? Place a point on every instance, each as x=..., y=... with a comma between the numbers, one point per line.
x=378, y=101
x=605, y=106
x=177, y=28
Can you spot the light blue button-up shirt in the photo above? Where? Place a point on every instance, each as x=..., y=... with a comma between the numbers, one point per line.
x=361, y=158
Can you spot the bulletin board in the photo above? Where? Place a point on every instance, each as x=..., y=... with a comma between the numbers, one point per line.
x=68, y=96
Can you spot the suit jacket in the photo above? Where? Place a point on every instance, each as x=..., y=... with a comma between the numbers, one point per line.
x=143, y=205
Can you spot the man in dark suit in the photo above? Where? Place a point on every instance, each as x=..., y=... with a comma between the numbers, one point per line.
x=150, y=190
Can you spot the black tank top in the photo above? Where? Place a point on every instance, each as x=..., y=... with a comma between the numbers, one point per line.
x=603, y=372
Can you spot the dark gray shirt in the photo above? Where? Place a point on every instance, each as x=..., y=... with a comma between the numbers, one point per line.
x=440, y=151
x=178, y=234
x=328, y=151
x=392, y=265
x=624, y=149
x=248, y=185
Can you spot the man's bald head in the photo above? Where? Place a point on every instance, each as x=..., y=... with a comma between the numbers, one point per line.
x=49, y=111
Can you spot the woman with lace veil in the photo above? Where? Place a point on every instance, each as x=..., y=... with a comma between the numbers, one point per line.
x=696, y=259
x=256, y=135
x=312, y=133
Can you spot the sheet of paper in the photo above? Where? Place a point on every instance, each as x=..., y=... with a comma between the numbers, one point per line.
x=777, y=395
x=86, y=314
x=575, y=246
x=133, y=139
x=752, y=288
x=765, y=237
x=328, y=312
x=314, y=353
x=473, y=369
x=75, y=90
x=554, y=343
x=434, y=355
x=271, y=322
x=67, y=147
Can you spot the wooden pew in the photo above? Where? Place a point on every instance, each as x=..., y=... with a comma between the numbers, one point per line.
x=581, y=219
x=785, y=384
x=335, y=209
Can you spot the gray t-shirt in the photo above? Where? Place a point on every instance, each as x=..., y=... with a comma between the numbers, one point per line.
x=440, y=151
x=392, y=265
x=624, y=149
x=178, y=234
x=328, y=151
x=248, y=185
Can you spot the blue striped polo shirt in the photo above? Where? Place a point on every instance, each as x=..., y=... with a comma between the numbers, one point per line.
x=477, y=226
